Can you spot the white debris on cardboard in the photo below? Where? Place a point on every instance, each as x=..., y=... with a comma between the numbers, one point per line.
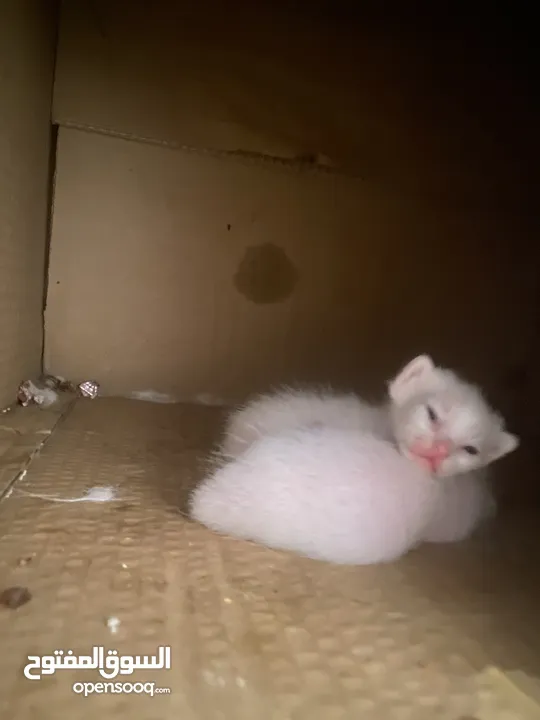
x=95, y=494
x=154, y=396
x=46, y=391
x=88, y=388
x=31, y=393
x=113, y=623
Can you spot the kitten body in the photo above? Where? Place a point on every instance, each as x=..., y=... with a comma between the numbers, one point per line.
x=434, y=418
x=333, y=494
x=462, y=503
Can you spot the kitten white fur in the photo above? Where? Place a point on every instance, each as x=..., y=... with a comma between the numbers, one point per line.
x=330, y=494
x=292, y=408
x=434, y=417
x=463, y=417
x=462, y=503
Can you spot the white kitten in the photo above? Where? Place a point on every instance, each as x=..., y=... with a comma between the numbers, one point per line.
x=330, y=494
x=435, y=418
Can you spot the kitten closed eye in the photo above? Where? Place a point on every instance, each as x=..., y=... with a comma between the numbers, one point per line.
x=432, y=414
x=471, y=450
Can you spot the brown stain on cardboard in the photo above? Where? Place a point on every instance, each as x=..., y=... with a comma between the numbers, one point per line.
x=266, y=274
x=15, y=597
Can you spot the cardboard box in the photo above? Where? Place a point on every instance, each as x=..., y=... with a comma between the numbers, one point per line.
x=232, y=207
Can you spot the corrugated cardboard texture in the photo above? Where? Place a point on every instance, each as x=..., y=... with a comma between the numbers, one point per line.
x=188, y=273
x=27, y=37
x=254, y=633
x=22, y=433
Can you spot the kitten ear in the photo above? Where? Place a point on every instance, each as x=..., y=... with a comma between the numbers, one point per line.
x=411, y=378
x=506, y=444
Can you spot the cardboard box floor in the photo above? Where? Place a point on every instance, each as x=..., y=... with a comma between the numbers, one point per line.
x=254, y=633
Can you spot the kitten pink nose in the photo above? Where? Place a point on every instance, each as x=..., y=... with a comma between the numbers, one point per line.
x=434, y=454
x=438, y=450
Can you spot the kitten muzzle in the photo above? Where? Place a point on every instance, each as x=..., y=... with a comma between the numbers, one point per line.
x=433, y=456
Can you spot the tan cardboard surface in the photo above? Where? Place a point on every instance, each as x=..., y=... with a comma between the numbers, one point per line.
x=189, y=273
x=254, y=633
x=27, y=38
x=23, y=431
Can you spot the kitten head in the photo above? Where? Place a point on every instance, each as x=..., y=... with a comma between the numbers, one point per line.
x=443, y=422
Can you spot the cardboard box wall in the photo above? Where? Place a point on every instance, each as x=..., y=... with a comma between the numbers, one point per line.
x=124, y=219
x=27, y=49
x=190, y=271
